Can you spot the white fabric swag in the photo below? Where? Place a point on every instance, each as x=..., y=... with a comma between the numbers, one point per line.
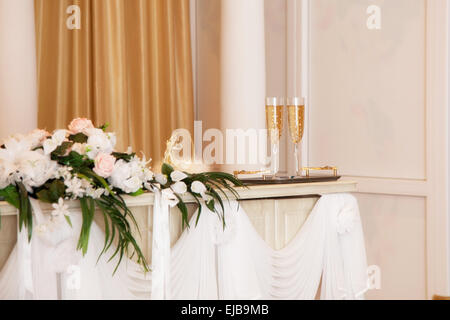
x=207, y=262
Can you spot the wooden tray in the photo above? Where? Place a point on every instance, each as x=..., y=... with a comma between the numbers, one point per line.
x=287, y=180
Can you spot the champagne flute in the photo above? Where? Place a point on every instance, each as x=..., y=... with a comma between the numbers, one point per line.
x=274, y=118
x=296, y=120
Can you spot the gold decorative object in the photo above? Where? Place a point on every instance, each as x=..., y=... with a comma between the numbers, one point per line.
x=334, y=169
x=171, y=145
x=437, y=297
x=240, y=172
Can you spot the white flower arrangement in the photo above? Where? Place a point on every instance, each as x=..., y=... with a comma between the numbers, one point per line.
x=81, y=163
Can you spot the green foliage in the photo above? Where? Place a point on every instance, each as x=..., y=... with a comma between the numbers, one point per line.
x=117, y=227
x=25, y=212
x=88, y=212
x=78, y=138
x=69, y=221
x=11, y=195
x=75, y=160
x=104, y=126
x=61, y=150
x=137, y=193
x=210, y=205
x=124, y=156
x=52, y=191
x=184, y=211
x=167, y=169
x=218, y=184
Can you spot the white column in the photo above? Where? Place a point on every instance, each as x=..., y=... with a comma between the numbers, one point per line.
x=243, y=75
x=18, y=89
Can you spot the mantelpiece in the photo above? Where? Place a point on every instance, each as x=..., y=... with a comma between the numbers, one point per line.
x=277, y=211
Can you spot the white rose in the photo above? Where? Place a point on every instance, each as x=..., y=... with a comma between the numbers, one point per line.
x=132, y=184
x=178, y=176
x=137, y=167
x=99, y=141
x=127, y=176
x=120, y=173
x=179, y=187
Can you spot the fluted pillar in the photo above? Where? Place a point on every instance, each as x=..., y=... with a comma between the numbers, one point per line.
x=243, y=74
x=18, y=89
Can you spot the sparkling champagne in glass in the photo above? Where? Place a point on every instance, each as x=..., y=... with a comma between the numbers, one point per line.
x=296, y=119
x=274, y=118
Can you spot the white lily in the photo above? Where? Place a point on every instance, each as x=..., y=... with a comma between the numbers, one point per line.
x=170, y=197
x=179, y=187
x=161, y=178
x=200, y=188
x=178, y=176
x=54, y=142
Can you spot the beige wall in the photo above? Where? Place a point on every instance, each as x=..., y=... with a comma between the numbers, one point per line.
x=18, y=89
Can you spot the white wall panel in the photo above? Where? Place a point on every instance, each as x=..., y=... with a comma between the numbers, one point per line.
x=378, y=111
x=368, y=88
x=395, y=235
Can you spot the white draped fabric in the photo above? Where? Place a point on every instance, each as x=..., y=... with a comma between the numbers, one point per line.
x=236, y=263
x=207, y=262
x=50, y=267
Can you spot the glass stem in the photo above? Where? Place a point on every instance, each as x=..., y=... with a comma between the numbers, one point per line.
x=297, y=169
x=275, y=158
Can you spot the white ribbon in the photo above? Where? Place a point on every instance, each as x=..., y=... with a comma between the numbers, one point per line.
x=24, y=262
x=160, y=248
x=45, y=258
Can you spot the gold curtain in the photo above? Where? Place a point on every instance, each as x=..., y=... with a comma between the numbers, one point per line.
x=129, y=65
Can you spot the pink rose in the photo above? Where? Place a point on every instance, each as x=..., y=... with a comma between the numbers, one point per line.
x=80, y=125
x=104, y=164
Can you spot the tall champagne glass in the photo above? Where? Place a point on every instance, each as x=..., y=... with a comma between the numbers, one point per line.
x=296, y=119
x=274, y=118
